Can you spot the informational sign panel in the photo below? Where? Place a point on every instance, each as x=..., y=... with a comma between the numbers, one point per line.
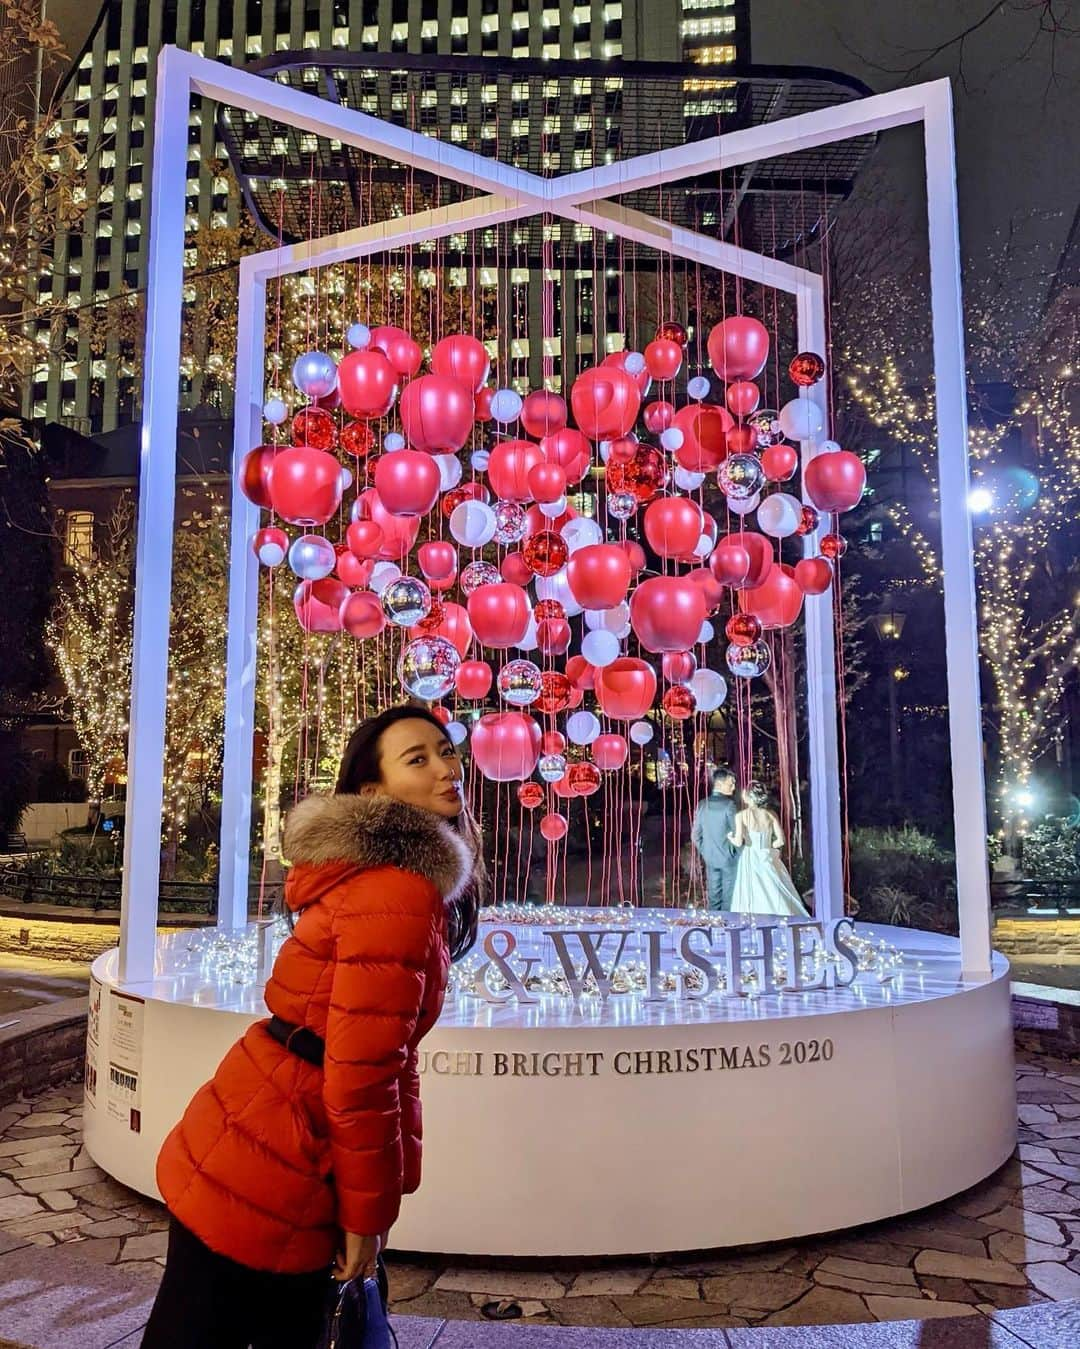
x=124, y=1091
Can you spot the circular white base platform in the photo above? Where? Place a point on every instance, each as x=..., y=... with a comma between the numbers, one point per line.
x=631, y=1127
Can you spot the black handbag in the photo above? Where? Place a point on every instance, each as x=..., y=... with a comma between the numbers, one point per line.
x=356, y=1315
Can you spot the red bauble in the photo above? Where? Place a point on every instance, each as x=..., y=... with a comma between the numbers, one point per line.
x=635, y=553
x=779, y=462
x=658, y=416
x=742, y=398
x=833, y=546
x=314, y=426
x=509, y=466
x=580, y=673
x=673, y=526
x=741, y=440
x=436, y=414
x=679, y=667
x=270, y=545
x=663, y=357
x=621, y=451
x=255, y=475
x=806, y=368
x=305, y=485
x=555, y=691
x=814, y=575
x=553, y=827
x=625, y=689
x=473, y=679
x=739, y=348
x=643, y=477
x=605, y=402
x=364, y=538
x=570, y=450
x=505, y=746
x=530, y=795
x=610, y=751
x=362, y=615
x=543, y=413
x=482, y=404
x=463, y=358
x=545, y=610
x=598, y=575
x=777, y=602
x=734, y=552
x=673, y=332
x=545, y=553
x=468, y=491
x=553, y=636
x=357, y=439
x=835, y=482
x=398, y=531
x=437, y=559
x=553, y=742
x=351, y=570
x=617, y=361
x=516, y=570
x=407, y=482
x=810, y=521
x=584, y=778
x=538, y=522
x=499, y=614
x=678, y=702
x=399, y=348
x=368, y=384
x=547, y=482
x=710, y=587
x=450, y=621
x=317, y=604
x=667, y=612
x=704, y=429
x=742, y=629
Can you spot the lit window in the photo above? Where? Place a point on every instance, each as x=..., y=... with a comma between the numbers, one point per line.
x=79, y=538
x=723, y=23
x=714, y=56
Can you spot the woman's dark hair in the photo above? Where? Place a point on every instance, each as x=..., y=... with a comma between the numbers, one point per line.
x=756, y=794
x=360, y=768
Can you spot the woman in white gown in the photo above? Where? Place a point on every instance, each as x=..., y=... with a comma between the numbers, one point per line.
x=762, y=883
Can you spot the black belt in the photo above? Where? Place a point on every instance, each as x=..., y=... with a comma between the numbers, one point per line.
x=298, y=1040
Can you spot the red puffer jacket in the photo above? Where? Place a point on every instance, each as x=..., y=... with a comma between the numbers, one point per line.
x=274, y=1156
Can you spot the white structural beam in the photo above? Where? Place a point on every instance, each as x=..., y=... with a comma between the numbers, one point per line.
x=957, y=543
x=515, y=194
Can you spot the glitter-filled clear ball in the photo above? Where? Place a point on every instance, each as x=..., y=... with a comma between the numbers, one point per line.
x=520, y=683
x=765, y=424
x=427, y=668
x=406, y=601
x=622, y=505
x=511, y=522
x=740, y=476
x=749, y=661
x=478, y=574
x=552, y=767
x=312, y=557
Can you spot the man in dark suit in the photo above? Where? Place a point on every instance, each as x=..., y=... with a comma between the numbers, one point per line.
x=713, y=822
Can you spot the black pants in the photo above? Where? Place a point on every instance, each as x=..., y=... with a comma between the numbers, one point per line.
x=207, y=1301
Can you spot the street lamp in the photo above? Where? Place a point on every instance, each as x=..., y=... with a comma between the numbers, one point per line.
x=889, y=624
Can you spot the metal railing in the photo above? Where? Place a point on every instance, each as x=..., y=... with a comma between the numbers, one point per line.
x=1024, y=898
x=99, y=892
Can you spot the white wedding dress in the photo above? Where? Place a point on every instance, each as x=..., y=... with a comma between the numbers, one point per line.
x=762, y=883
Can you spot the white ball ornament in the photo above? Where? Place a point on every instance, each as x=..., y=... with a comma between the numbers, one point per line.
x=382, y=574
x=672, y=439
x=557, y=587
x=479, y=460
x=641, y=732
x=449, y=466
x=530, y=641
x=581, y=532
x=346, y=478
x=703, y=547
x=707, y=633
x=312, y=557
x=634, y=363
x=801, y=419
x=709, y=689
x=605, y=451
x=505, y=406
x=275, y=411
x=473, y=524
x=393, y=441
x=582, y=728
x=780, y=515
x=457, y=732
x=315, y=374
x=553, y=509
x=698, y=387
x=827, y=447
x=358, y=336
x=611, y=620
x=687, y=480
x=746, y=507
x=600, y=647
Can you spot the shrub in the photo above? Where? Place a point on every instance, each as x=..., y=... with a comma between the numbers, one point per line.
x=902, y=876
x=1051, y=852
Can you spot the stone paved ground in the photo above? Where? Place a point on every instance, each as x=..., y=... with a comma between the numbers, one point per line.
x=1013, y=1240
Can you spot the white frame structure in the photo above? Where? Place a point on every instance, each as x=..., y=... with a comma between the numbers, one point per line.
x=511, y=194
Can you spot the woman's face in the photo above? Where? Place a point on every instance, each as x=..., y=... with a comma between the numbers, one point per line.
x=419, y=765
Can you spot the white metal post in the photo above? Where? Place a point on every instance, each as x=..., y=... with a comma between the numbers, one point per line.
x=241, y=655
x=153, y=553
x=826, y=825
x=957, y=543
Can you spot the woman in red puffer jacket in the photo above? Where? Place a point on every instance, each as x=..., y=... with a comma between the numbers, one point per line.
x=297, y=1153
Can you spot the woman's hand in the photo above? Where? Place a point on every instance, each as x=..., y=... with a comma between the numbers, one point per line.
x=357, y=1258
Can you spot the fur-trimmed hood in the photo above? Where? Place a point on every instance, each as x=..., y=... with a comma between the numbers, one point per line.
x=374, y=830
